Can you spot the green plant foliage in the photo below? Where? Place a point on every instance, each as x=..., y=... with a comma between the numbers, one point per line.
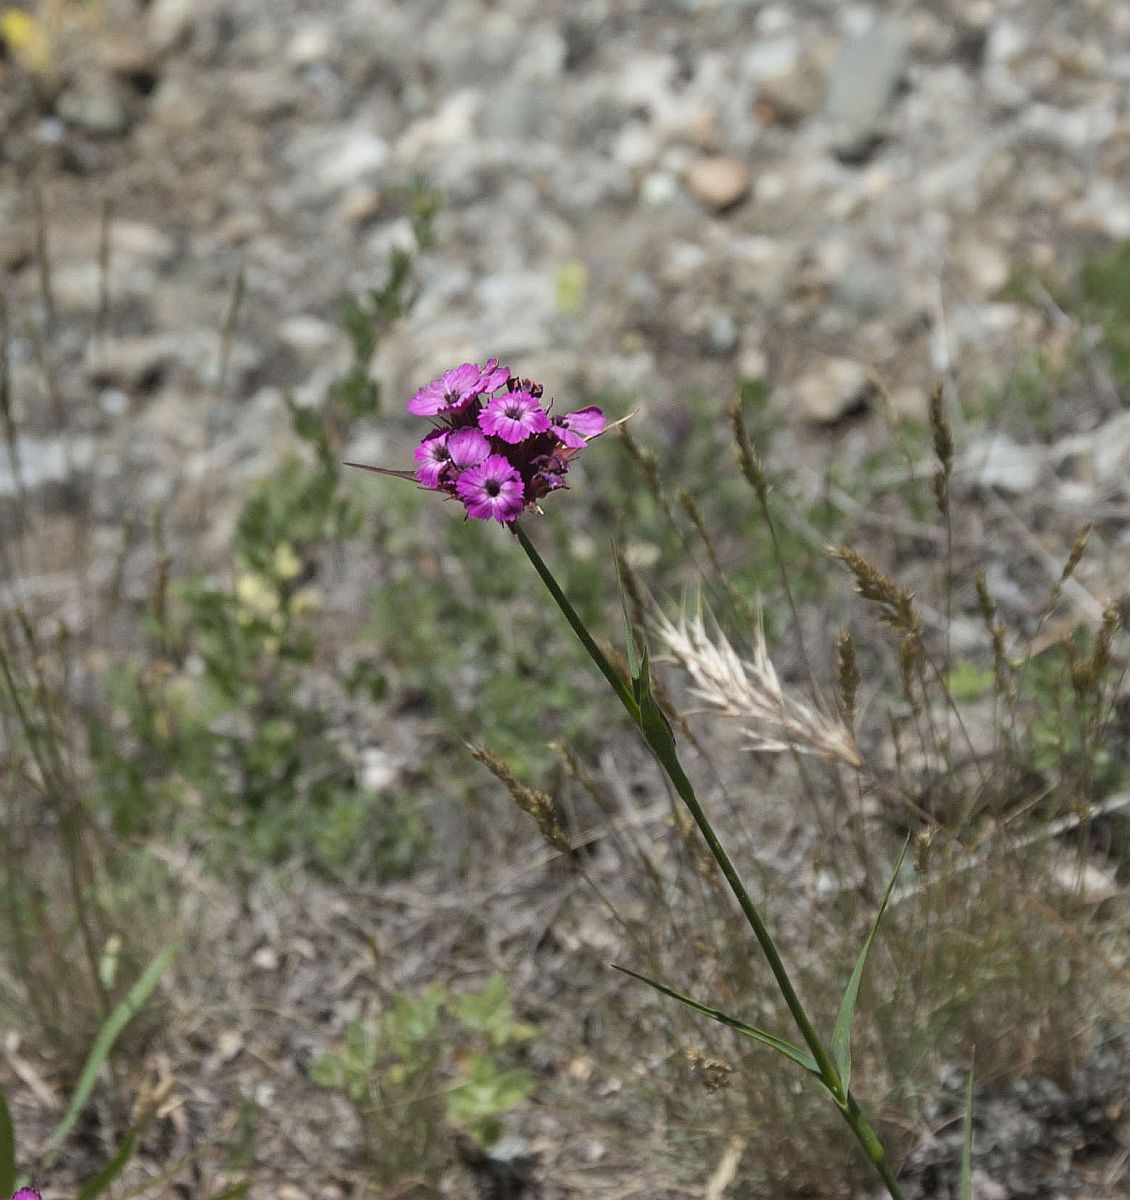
x=967, y=682
x=1105, y=287
x=428, y=1064
x=515, y=683
x=216, y=725
x=1067, y=711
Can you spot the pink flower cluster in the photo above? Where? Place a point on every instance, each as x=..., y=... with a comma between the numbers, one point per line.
x=494, y=446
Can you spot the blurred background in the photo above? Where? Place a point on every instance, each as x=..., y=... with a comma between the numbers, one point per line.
x=235, y=237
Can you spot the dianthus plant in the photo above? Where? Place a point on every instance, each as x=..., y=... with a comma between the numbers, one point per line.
x=499, y=450
x=494, y=445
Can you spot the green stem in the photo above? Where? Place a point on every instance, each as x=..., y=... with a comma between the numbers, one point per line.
x=663, y=747
x=683, y=786
x=872, y=1147
x=595, y=653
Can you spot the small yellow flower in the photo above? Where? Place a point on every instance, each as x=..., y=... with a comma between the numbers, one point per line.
x=286, y=565
x=26, y=40
x=256, y=596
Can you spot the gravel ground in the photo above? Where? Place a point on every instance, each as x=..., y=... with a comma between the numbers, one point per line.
x=646, y=198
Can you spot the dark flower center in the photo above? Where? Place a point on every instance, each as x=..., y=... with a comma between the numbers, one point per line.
x=493, y=487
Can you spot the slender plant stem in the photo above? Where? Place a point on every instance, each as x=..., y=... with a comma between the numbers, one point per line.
x=578, y=626
x=664, y=750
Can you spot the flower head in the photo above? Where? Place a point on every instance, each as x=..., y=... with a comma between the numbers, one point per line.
x=574, y=429
x=495, y=446
x=458, y=387
x=27, y=1194
x=513, y=417
x=434, y=458
x=492, y=490
x=467, y=448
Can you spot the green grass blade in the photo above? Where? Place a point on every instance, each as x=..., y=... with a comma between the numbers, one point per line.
x=965, y=1178
x=97, y=1184
x=794, y=1053
x=7, y=1149
x=841, y=1036
x=107, y=1036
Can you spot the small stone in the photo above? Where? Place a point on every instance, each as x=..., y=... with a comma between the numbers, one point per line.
x=1005, y=41
x=771, y=58
x=542, y=55
x=266, y=958
x=865, y=289
x=986, y=265
x=136, y=243
x=753, y=364
x=95, y=105
x=1104, y=209
x=337, y=159
x=658, y=189
x=311, y=44
x=113, y=402
x=513, y=108
x=50, y=131
x=722, y=332
x=229, y=1045
x=170, y=22
x=998, y=462
x=176, y=107
x=636, y=145
x=788, y=99
x=132, y=363
x=130, y=57
x=719, y=181
x=683, y=262
x=311, y=339
x=44, y=461
x=360, y=204
x=378, y=770
x=863, y=83
x=835, y=389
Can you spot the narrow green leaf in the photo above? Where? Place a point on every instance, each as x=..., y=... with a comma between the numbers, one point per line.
x=7, y=1149
x=841, y=1036
x=104, y=1042
x=800, y=1057
x=965, y=1178
x=653, y=724
x=97, y=1184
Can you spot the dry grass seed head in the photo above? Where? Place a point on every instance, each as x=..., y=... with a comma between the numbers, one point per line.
x=895, y=604
x=848, y=677
x=750, y=690
x=538, y=805
x=752, y=467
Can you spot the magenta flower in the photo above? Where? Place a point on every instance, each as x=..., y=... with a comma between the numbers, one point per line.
x=457, y=387
x=494, y=447
x=574, y=429
x=494, y=377
x=434, y=458
x=492, y=490
x=513, y=417
x=27, y=1194
x=467, y=448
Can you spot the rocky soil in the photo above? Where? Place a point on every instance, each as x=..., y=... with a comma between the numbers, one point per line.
x=645, y=198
